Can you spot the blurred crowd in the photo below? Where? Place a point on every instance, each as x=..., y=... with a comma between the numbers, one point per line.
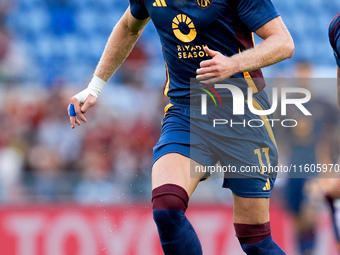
x=106, y=160
x=42, y=159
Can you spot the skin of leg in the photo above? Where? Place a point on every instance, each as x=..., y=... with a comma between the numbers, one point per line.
x=251, y=210
x=174, y=168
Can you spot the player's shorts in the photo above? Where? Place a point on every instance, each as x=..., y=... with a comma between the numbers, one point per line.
x=240, y=146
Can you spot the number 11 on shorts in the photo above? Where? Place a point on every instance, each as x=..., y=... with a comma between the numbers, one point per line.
x=265, y=151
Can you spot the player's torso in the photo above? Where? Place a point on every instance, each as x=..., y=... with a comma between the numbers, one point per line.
x=186, y=26
x=189, y=21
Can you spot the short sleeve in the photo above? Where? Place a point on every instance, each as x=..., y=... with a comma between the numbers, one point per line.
x=255, y=13
x=334, y=37
x=138, y=9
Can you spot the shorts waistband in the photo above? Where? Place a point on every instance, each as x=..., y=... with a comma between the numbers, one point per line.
x=180, y=100
x=192, y=101
x=196, y=100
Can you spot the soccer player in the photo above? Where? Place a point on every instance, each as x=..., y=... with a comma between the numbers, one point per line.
x=311, y=142
x=334, y=38
x=210, y=41
x=333, y=193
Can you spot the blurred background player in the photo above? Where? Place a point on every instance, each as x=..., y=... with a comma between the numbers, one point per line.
x=190, y=28
x=311, y=142
x=333, y=189
x=334, y=37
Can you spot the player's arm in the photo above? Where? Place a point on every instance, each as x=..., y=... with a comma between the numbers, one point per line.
x=276, y=46
x=120, y=43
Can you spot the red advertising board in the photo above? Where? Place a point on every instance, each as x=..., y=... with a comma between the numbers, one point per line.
x=122, y=230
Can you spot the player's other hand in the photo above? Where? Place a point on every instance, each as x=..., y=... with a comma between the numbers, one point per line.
x=216, y=69
x=77, y=109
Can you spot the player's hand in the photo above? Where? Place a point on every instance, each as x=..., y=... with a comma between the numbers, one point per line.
x=77, y=109
x=216, y=69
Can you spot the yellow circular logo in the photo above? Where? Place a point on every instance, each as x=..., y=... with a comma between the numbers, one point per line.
x=185, y=21
x=203, y=3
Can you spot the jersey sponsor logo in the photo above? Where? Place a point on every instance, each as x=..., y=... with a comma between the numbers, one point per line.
x=203, y=3
x=159, y=3
x=184, y=30
x=182, y=21
x=191, y=51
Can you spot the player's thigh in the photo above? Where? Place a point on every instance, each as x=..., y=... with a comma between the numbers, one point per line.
x=251, y=210
x=174, y=168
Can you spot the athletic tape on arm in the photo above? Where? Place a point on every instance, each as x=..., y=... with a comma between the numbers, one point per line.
x=94, y=88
